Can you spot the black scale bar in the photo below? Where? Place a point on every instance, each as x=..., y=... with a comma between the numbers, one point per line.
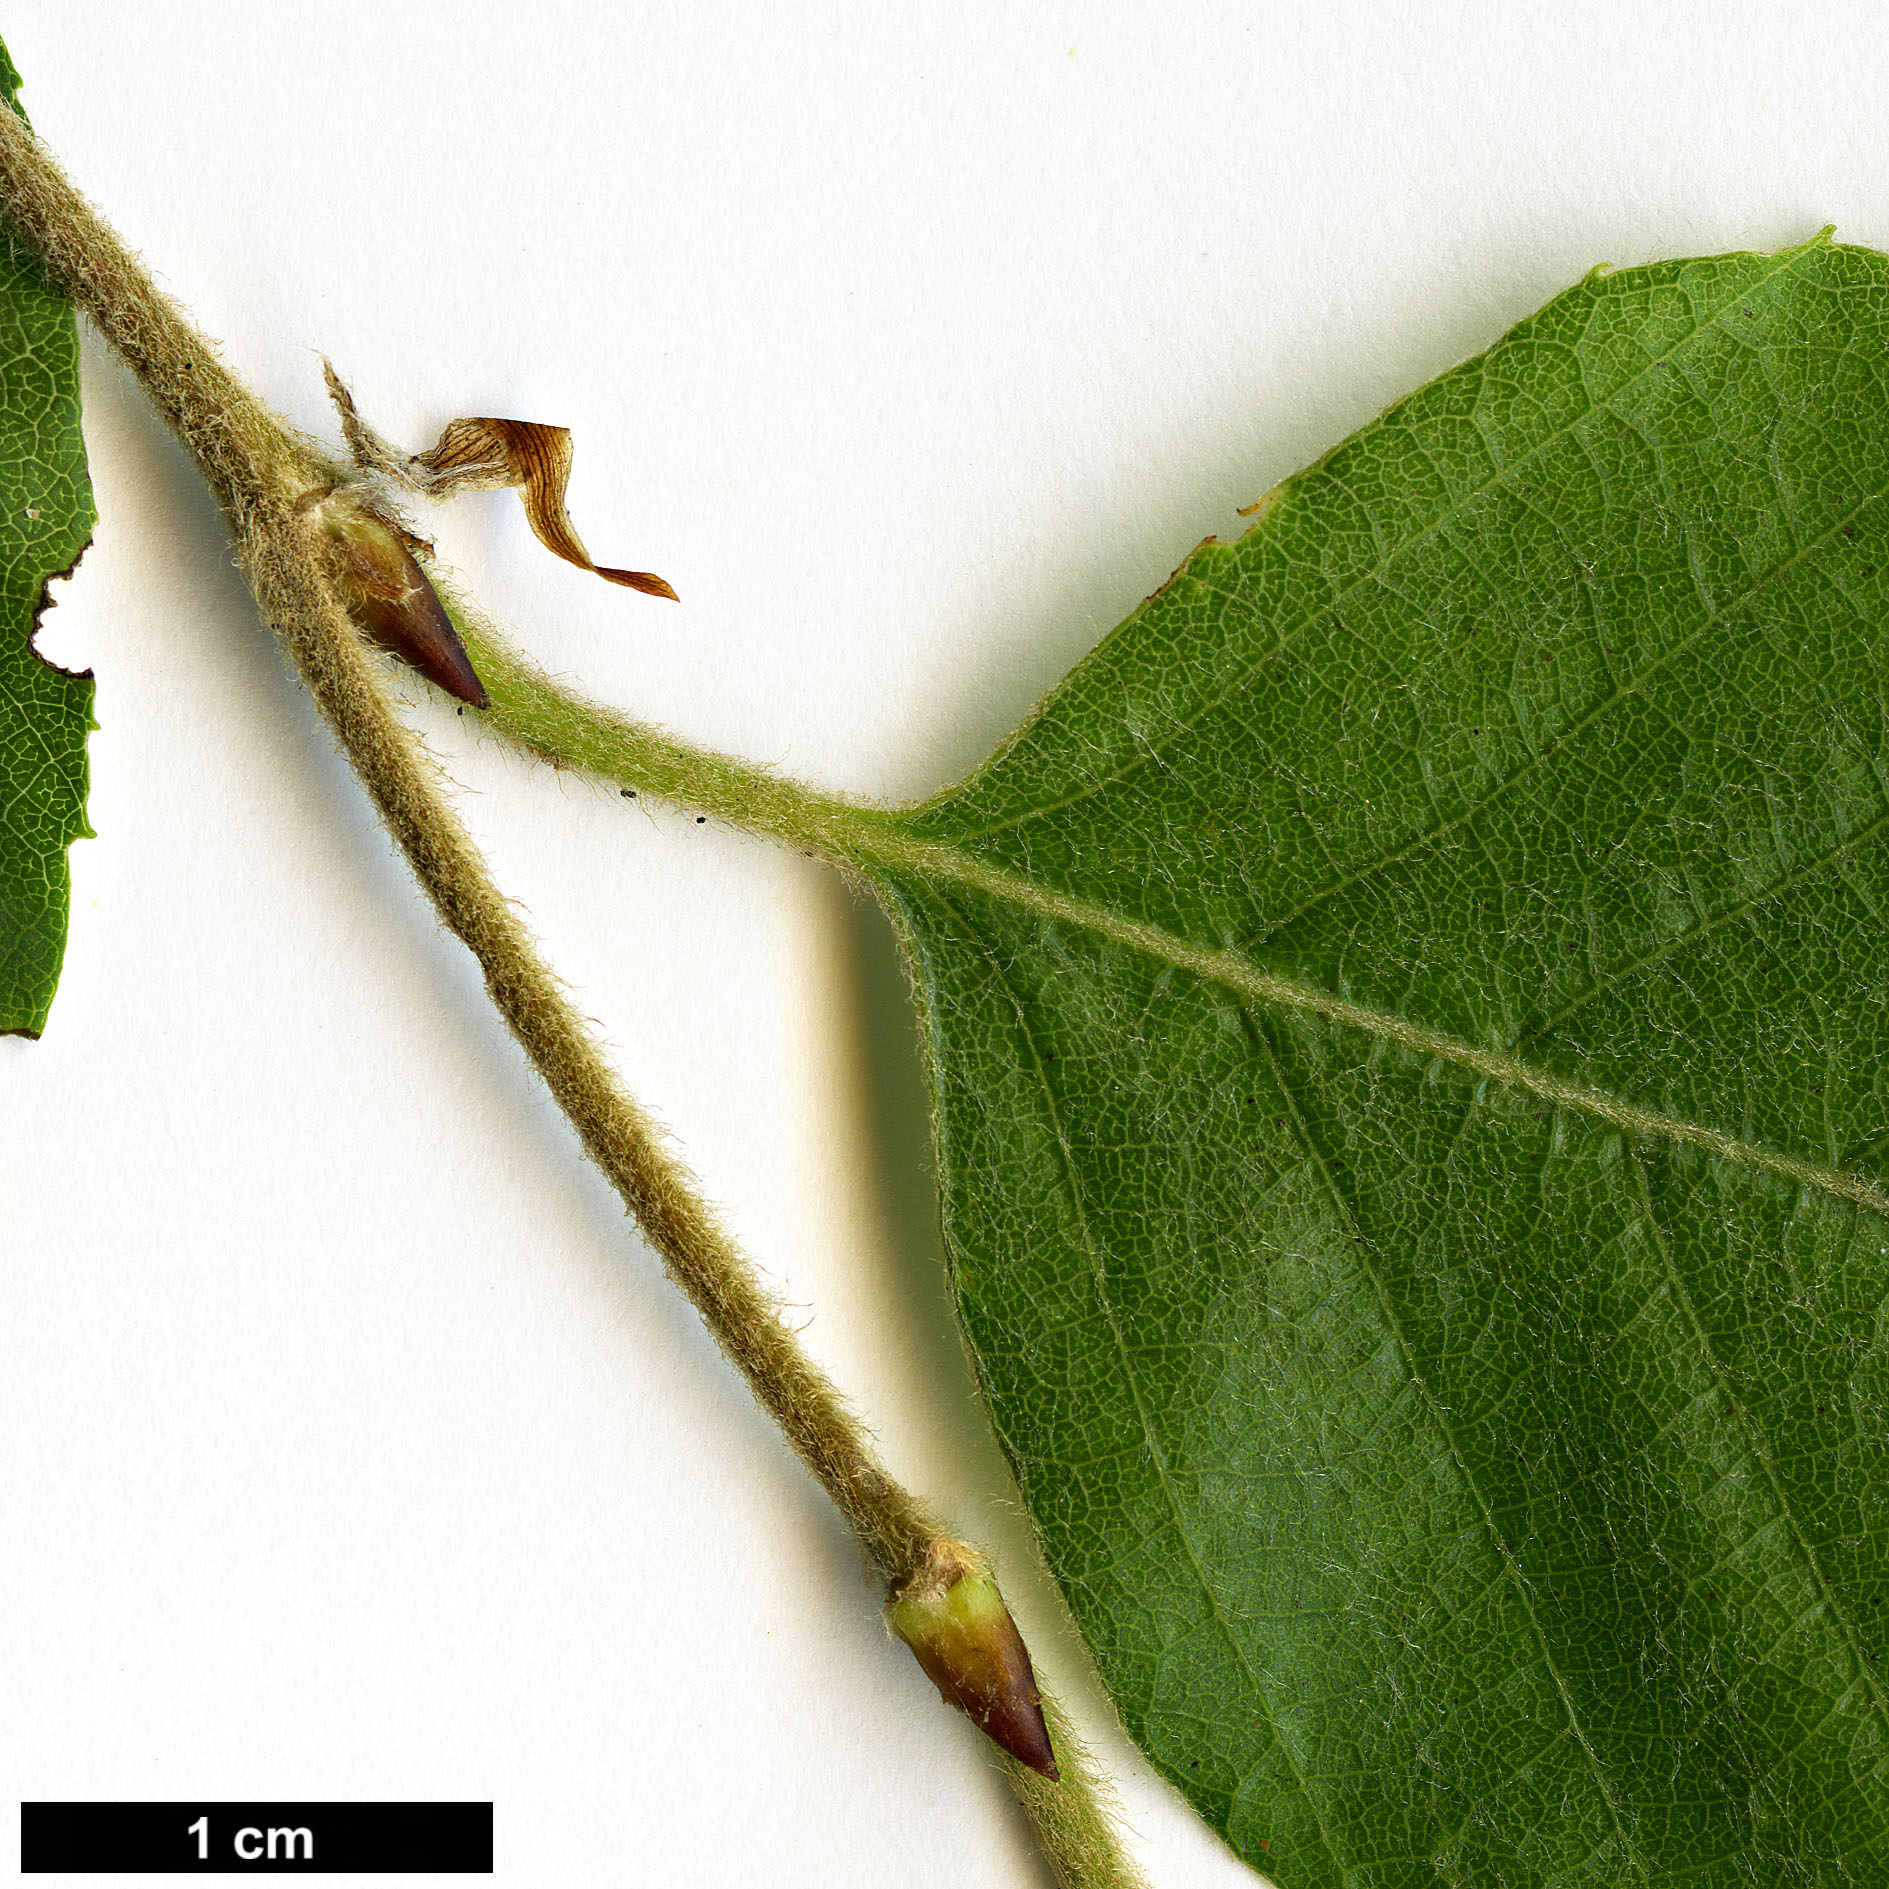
x=256, y=1839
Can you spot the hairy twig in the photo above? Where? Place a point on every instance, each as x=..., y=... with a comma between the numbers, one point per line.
x=288, y=503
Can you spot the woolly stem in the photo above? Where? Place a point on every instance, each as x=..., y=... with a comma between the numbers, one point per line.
x=265, y=476
x=262, y=474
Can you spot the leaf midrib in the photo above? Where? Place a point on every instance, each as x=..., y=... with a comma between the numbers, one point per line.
x=881, y=845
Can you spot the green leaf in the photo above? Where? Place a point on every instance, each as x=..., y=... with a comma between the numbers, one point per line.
x=1410, y=1026
x=46, y=520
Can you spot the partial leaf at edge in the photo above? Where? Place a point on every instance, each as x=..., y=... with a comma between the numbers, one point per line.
x=46, y=520
x=1409, y=1021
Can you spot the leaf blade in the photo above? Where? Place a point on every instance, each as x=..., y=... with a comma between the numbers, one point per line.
x=1437, y=907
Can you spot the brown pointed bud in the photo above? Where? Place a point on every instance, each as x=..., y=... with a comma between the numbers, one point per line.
x=390, y=600
x=956, y=1622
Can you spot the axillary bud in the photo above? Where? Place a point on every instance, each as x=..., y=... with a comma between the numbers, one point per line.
x=970, y=1649
x=389, y=598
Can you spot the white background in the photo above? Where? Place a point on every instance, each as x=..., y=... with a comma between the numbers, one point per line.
x=353, y=1445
